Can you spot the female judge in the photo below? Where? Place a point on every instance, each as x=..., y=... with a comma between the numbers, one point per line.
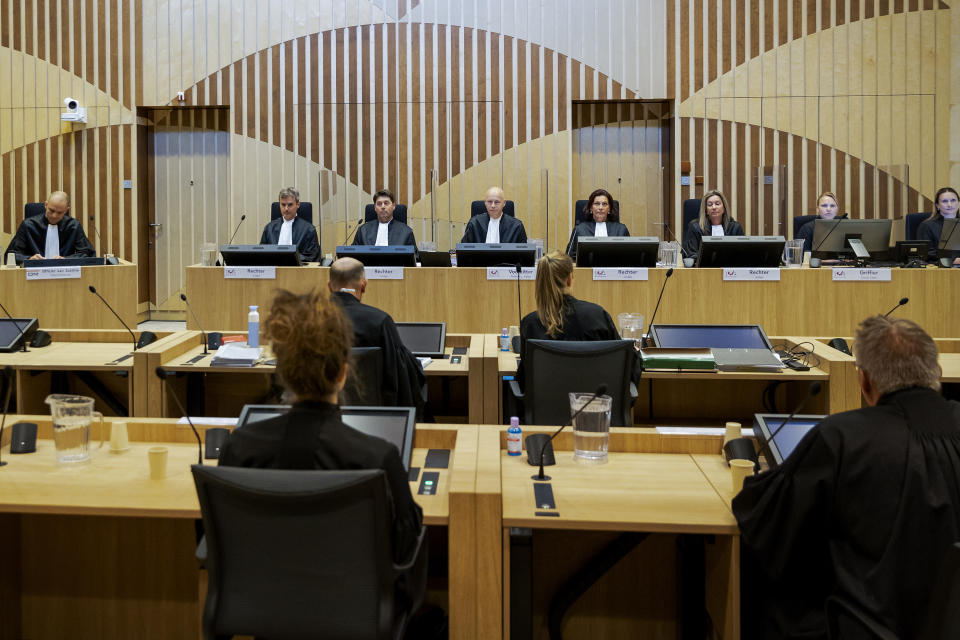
x=714, y=220
x=828, y=208
x=601, y=218
x=945, y=206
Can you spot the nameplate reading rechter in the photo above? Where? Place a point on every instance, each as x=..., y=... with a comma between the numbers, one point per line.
x=848, y=274
x=510, y=273
x=761, y=274
x=250, y=273
x=383, y=273
x=620, y=273
x=53, y=273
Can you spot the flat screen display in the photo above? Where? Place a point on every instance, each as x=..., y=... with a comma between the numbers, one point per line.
x=423, y=339
x=617, y=252
x=478, y=254
x=705, y=336
x=787, y=438
x=14, y=332
x=373, y=256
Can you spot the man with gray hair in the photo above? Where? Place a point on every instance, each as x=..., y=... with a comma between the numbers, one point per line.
x=846, y=537
x=52, y=235
x=291, y=229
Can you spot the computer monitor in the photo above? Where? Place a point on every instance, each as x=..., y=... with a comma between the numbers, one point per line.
x=14, y=332
x=949, y=237
x=393, y=424
x=740, y=251
x=618, y=252
x=260, y=255
x=830, y=237
x=423, y=339
x=709, y=336
x=480, y=254
x=374, y=256
x=786, y=439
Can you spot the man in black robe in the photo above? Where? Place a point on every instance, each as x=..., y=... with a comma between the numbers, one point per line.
x=493, y=226
x=385, y=230
x=54, y=235
x=845, y=538
x=291, y=229
x=403, y=378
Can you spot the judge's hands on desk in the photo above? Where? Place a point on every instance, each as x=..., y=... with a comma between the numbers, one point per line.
x=37, y=256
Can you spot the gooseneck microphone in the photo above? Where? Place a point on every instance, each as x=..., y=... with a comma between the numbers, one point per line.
x=202, y=332
x=945, y=242
x=353, y=231
x=8, y=380
x=93, y=290
x=812, y=391
x=902, y=302
x=19, y=328
x=742, y=448
x=242, y=218
x=643, y=342
x=824, y=238
x=537, y=437
x=96, y=231
x=163, y=374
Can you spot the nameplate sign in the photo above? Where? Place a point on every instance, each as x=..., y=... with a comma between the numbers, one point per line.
x=383, y=273
x=250, y=273
x=620, y=273
x=53, y=273
x=848, y=274
x=510, y=273
x=762, y=274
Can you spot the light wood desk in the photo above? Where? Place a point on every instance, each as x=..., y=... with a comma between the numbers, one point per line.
x=950, y=362
x=804, y=301
x=68, y=302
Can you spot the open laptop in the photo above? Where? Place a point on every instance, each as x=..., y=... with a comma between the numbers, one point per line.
x=393, y=424
x=787, y=438
x=742, y=347
x=423, y=339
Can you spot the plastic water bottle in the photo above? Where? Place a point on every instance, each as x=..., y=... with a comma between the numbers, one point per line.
x=253, y=327
x=504, y=340
x=514, y=437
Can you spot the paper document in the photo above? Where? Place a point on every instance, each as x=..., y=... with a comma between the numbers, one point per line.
x=233, y=355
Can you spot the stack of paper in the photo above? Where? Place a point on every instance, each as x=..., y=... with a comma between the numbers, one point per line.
x=234, y=355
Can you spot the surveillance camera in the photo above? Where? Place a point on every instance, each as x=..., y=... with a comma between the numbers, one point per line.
x=71, y=103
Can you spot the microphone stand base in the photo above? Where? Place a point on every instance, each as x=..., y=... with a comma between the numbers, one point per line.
x=3, y=463
x=535, y=476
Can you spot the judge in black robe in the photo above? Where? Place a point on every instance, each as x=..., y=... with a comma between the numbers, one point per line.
x=31, y=237
x=931, y=230
x=511, y=229
x=397, y=234
x=693, y=238
x=589, y=229
x=303, y=233
x=849, y=532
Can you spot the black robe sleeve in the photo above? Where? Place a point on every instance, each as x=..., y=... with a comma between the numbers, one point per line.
x=403, y=376
x=930, y=231
x=691, y=240
x=308, y=246
x=806, y=234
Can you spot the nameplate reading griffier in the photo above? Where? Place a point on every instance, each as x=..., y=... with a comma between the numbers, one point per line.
x=760, y=274
x=510, y=273
x=383, y=273
x=620, y=273
x=250, y=273
x=847, y=274
x=53, y=273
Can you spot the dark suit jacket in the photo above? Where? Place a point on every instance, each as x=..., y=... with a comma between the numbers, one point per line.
x=31, y=238
x=511, y=229
x=587, y=229
x=693, y=238
x=304, y=236
x=397, y=234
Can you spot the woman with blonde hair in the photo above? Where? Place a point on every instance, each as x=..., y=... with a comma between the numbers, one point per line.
x=828, y=208
x=714, y=220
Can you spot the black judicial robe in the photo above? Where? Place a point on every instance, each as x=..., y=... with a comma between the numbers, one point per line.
x=403, y=377
x=304, y=236
x=854, y=525
x=511, y=229
x=587, y=229
x=931, y=230
x=805, y=232
x=692, y=239
x=397, y=234
x=31, y=238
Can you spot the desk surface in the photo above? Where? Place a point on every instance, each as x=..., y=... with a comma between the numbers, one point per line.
x=632, y=492
x=90, y=356
x=951, y=367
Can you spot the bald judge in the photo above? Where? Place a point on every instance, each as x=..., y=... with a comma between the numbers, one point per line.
x=53, y=235
x=493, y=226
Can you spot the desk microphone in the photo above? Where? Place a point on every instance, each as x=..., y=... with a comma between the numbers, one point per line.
x=902, y=302
x=7, y=370
x=96, y=231
x=242, y=218
x=742, y=448
x=538, y=438
x=163, y=374
x=93, y=290
x=204, y=333
x=352, y=232
x=824, y=238
x=19, y=328
x=643, y=342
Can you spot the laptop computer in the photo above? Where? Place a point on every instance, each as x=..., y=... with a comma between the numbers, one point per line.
x=787, y=438
x=393, y=424
x=424, y=339
x=735, y=347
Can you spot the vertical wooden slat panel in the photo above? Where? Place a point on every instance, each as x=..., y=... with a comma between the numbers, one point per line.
x=315, y=99
x=262, y=88
x=562, y=98
x=128, y=212
x=670, y=55
x=367, y=108
x=301, y=100
x=548, y=92
x=496, y=108
x=403, y=137
x=456, y=105
x=393, y=172
x=534, y=81
x=352, y=97
x=442, y=101
x=482, y=88
x=341, y=98
x=522, y=80
x=684, y=49
x=327, y=108
x=468, y=97
x=277, y=82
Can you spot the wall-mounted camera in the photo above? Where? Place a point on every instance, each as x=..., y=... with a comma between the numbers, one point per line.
x=74, y=112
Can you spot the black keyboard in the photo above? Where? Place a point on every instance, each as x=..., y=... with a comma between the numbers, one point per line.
x=64, y=262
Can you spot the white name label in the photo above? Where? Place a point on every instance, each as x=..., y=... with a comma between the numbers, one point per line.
x=384, y=273
x=53, y=273
x=754, y=275
x=620, y=273
x=847, y=274
x=510, y=273
x=250, y=273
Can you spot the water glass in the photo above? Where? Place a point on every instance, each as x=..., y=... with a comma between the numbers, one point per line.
x=208, y=254
x=631, y=326
x=669, y=253
x=591, y=428
x=793, y=254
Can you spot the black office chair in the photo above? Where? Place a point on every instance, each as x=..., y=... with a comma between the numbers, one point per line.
x=477, y=207
x=34, y=209
x=555, y=368
x=302, y=554
x=799, y=221
x=942, y=620
x=305, y=211
x=399, y=213
x=364, y=378
x=691, y=211
x=578, y=210
x=911, y=223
